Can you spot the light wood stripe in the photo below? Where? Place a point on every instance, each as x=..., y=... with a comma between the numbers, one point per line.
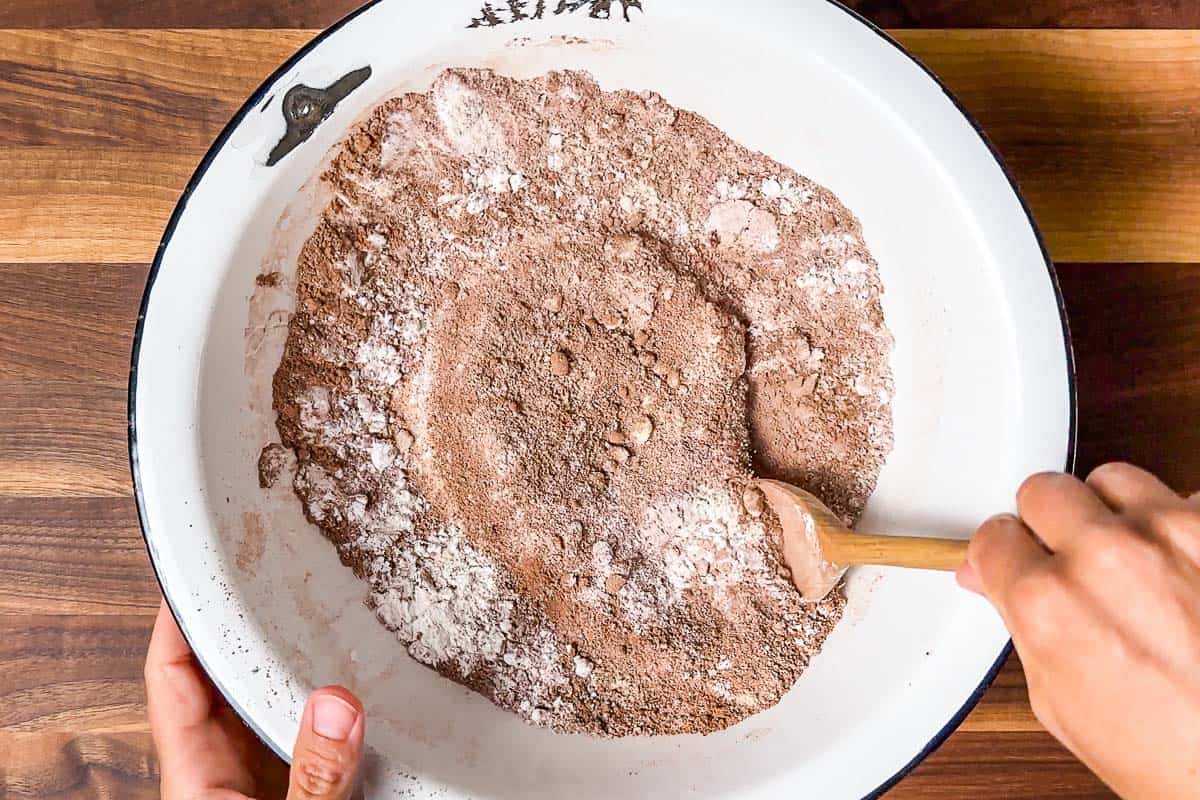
x=1102, y=129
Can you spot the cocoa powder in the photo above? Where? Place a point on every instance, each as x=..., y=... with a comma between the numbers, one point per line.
x=545, y=335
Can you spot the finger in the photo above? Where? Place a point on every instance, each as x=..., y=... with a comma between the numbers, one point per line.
x=175, y=684
x=1124, y=487
x=1194, y=500
x=167, y=644
x=968, y=578
x=329, y=746
x=1056, y=506
x=1002, y=550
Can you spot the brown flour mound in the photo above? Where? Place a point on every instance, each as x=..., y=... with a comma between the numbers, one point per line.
x=544, y=334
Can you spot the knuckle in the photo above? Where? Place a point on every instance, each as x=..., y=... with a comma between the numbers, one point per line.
x=1035, y=606
x=1113, y=470
x=997, y=523
x=1038, y=485
x=1034, y=482
x=990, y=535
x=1031, y=592
x=1113, y=552
x=319, y=773
x=1152, y=556
x=1177, y=522
x=1106, y=552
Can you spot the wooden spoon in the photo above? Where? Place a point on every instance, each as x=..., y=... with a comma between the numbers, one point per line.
x=818, y=547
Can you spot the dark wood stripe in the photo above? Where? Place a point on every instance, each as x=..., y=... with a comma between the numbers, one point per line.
x=174, y=13
x=320, y=13
x=1014, y=766
x=72, y=321
x=72, y=709
x=57, y=665
x=1136, y=329
x=73, y=555
x=63, y=438
x=1030, y=13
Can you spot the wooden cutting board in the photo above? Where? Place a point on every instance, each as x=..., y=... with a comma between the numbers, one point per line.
x=105, y=109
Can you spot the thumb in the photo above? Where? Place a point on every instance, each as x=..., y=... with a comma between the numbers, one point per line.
x=329, y=746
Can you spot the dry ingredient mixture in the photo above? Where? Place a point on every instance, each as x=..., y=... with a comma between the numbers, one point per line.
x=544, y=337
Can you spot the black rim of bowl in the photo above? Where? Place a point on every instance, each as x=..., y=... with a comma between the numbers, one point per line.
x=257, y=98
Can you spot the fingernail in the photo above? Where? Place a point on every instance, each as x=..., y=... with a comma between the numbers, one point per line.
x=1005, y=517
x=333, y=717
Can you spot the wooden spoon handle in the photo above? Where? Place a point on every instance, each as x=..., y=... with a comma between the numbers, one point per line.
x=895, y=551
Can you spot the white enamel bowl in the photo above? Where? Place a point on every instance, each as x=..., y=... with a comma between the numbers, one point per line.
x=983, y=397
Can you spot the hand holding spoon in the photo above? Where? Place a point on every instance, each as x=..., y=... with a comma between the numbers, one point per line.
x=818, y=547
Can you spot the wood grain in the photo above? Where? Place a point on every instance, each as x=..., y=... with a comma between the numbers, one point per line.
x=83, y=205
x=53, y=329
x=73, y=555
x=164, y=89
x=1101, y=129
x=63, y=672
x=84, y=765
x=63, y=438
x=1005, y=707
x=1030, y=13
x=916, y=552
x=73, y=712
x=319, y=13
x=173, y=13
x=1136, y=329
x=1012, y=766
x=64, y=360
